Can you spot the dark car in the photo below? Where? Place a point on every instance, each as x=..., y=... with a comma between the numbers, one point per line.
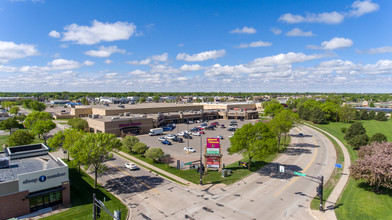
x=166, y=142
x=231, y=129
x=211, y=127
x=204, y=124
x=195, y=129
x=177, y=140
x=223, y=126
x=187, y=136
x=300, y=134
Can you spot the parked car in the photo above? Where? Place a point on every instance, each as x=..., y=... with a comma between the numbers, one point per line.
x=204, y=124
x=182, y=133
x=166, y=142
x=190, y=149
x=220, y=137
x=223, y=126
x=131, y=166
x=195, y=129
x=179, y=140
x=187, y=136
x=201, y=132
x=196, y=133
x=233, y=122
x=161, y=138
x=191, y=122
x=211, y=127
x=215, y=123
x=170, y=136
x=231, y=129
x=300, y=134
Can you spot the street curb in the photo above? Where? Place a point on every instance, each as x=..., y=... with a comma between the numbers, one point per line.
x=339, y=187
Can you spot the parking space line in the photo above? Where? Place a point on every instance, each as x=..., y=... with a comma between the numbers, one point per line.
x=133, y=177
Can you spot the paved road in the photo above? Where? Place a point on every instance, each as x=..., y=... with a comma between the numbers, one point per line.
x=266, y=194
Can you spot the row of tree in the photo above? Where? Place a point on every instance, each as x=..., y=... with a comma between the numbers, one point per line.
x=356, y=136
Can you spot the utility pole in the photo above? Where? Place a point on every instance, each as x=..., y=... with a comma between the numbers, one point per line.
x=321, y=193
x=201, y=162
x=94, y=213
x=187, y=130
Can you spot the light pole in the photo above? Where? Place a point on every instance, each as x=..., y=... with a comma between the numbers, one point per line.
x=201, y=162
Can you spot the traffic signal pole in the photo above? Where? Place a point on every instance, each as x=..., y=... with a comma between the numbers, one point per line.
x=321, y=193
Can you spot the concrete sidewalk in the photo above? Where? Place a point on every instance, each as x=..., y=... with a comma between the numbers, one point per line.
x=149, y=166
x=330, y=204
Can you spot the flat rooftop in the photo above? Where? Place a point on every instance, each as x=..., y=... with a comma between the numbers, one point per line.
x=137, y=106
x=27, y=165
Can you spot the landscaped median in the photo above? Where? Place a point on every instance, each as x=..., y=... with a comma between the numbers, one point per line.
x=358, y=200
x=82, y=189
x=211, y=177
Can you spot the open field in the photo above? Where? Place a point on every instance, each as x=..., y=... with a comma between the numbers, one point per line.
x=358, y=201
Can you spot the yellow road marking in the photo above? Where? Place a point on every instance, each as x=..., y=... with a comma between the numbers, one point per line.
x=295, y=179
x=134, y=178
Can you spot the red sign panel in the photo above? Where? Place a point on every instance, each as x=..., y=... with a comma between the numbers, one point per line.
x=213, y=162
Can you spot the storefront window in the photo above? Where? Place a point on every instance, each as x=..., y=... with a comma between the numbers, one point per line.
x=46, y=200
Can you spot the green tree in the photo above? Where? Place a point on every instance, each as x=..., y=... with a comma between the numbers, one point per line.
x=8, y=124
x=154, y=153
x=317, y=116
x=78, y=123
x=364, y=114
x=372, y=114
x=139, y=148
x=358, y=141
x=128, y=142
x=92, y=151
x=378, y=137
x=15, y=110
x=66, y=139
x=20, y=137
x=7, y=104
x=354, y=130
x=42, y=127
x=253, y=141
x=380, y=116
x=35, y=116
x=142, y=100
x=273, y=109
x=372, y=104
x=156, y=99
x=84, y=101
x=330, y=110
x=346, y=114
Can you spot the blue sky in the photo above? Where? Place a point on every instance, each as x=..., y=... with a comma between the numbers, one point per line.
x=185, y=46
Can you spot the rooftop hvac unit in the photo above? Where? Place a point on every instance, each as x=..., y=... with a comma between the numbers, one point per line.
x=4, y=162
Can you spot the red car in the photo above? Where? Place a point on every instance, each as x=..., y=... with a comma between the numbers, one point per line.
x=201, y=132
x=215, y=123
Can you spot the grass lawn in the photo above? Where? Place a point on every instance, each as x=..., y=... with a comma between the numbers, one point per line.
x=82, y=189
x=214, y=177
x=358, y=201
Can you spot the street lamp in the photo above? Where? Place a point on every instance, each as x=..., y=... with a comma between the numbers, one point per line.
x=201, y=162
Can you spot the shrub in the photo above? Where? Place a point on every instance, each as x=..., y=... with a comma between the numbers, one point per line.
x=343, y=130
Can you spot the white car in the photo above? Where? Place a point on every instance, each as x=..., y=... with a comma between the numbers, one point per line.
x=191, y=122
x=131, y=166
x=190, y=149
x=196, y=133
x=170, y=136
x=161, y=138
x=182, y=133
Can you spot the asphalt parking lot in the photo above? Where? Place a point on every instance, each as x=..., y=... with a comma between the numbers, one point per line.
x=176, y=150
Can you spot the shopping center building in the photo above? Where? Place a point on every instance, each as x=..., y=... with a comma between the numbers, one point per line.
x=31, y=179
x=124, y=119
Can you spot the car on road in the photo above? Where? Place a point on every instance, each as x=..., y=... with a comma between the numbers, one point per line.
x=231, y=129
x=179, y=140
x=189, y=149
x=161, y=138
x=220, y=137
x=300, y=135
x=131, y=166
x=166, y=142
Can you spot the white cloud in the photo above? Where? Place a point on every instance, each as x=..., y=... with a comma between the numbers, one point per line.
x=337, y=43
x=381, y=67
x=212, y=54
x=296, y=32
x=104, y=51
x=194, y=67
x=244, y=30
x=98, y=32
x=287, y=58
x=276, y=31
x=141, y=62
x=255, y=44
x=12, y=51
x=326, y=17
x=111, y=75
x=162, y=57
x=62, y=64
x=386, y=49
x=108, y=61
x=54, y=34
x=363, y=7
x=88, y=63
